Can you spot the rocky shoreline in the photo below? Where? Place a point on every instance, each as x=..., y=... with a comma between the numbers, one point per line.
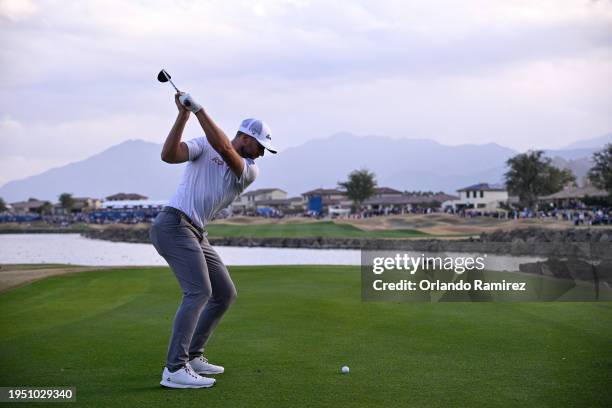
x=595, y=242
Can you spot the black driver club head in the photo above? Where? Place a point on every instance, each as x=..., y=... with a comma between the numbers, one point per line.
x=164, y=76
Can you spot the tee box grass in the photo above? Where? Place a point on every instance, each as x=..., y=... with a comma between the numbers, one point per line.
x=290, y=331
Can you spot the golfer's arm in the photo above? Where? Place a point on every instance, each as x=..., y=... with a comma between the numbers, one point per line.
x=220, y=142
x=175, y=151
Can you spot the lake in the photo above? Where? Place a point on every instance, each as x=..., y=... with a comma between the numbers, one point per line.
x=77, y=250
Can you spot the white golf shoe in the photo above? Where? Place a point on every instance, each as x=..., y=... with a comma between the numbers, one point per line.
x=201, y=366
x=185, y=378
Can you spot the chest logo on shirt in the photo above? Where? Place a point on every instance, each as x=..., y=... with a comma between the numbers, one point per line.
x=218, y=161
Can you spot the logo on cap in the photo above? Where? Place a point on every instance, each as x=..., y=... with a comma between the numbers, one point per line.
x=255, y=127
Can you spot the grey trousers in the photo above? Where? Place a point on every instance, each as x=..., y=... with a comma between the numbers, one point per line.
x=208, y=290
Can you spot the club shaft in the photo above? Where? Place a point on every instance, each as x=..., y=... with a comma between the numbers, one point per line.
x=173, y=85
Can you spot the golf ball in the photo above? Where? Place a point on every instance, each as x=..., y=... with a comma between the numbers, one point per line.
x=345, y=370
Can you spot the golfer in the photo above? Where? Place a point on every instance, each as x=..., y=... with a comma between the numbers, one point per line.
x=218, y=170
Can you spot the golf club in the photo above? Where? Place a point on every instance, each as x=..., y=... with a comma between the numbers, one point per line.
x=163, y=76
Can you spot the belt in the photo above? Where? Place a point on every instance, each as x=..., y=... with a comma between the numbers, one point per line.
x=185, y=217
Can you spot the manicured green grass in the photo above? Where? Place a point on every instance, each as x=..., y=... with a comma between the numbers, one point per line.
x=287, y=336
x=326, y=229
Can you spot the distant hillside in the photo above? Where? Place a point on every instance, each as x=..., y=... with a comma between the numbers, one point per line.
x=580, y=167
x=132, y=166
x=404, y=164
x=578, y=160
x=597, y=143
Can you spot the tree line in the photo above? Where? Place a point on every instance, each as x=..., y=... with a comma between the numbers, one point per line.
x=530, y=175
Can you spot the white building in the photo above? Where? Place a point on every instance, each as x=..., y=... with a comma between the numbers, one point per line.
x=481, y=196
x=250, y=200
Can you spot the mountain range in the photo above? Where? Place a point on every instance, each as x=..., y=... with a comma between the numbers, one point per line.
x=134, y=166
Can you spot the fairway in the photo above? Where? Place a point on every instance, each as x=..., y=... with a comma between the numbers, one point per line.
x=326, y=229
x=285, y=339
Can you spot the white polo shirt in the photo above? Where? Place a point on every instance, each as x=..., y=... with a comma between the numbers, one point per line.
x=208, y=184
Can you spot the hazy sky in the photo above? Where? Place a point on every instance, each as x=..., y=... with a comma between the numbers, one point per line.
x=79, y=76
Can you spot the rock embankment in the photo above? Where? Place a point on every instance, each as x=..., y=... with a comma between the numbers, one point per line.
x=584, y=235
x=595, y=242
x=119, y=234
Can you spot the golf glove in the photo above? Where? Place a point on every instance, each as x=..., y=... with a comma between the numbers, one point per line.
x=188, y=102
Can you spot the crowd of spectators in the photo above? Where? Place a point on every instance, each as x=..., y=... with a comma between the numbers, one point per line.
x=93, y=217
x=577, y=216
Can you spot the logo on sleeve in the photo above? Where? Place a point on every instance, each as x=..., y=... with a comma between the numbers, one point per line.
x=218, y=161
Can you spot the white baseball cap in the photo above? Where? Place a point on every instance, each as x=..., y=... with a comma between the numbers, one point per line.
x=260, y=131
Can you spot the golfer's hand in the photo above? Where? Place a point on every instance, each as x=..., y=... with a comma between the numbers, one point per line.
x=188, y=102
x=179, y=105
